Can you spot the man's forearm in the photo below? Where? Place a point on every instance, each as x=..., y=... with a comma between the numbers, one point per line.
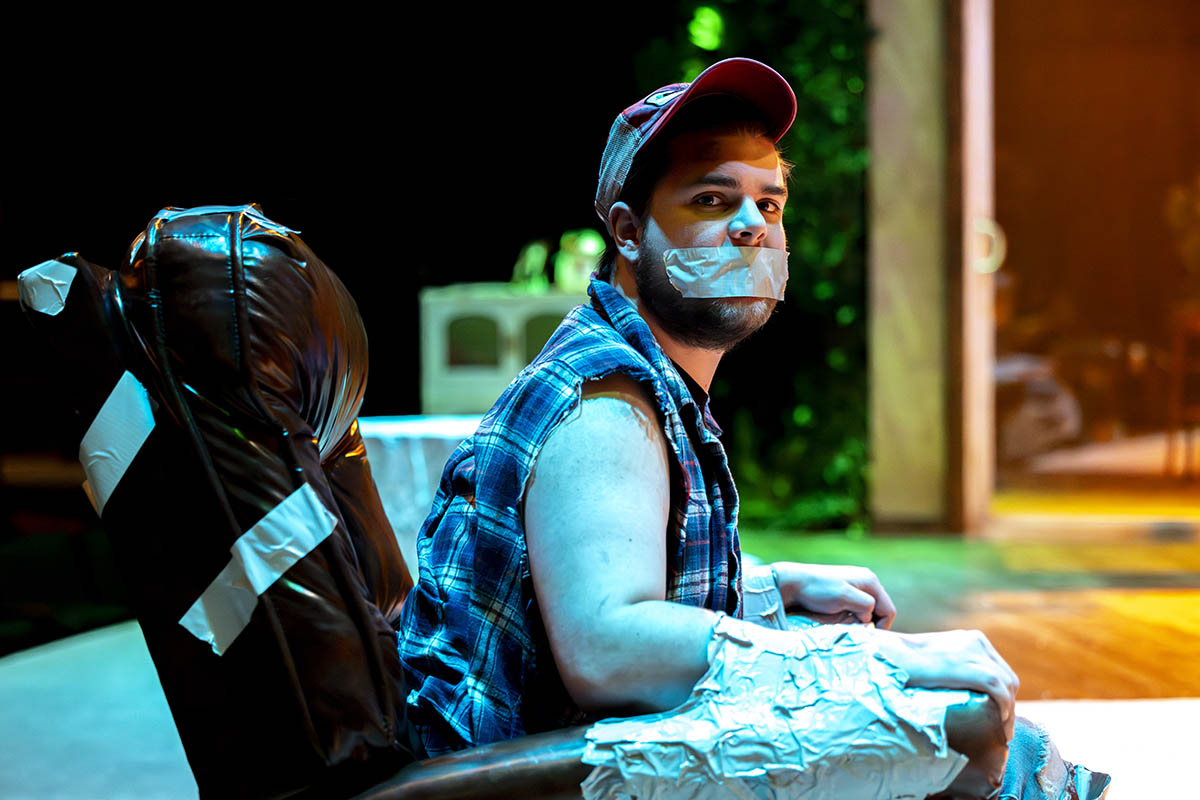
x=645, y=656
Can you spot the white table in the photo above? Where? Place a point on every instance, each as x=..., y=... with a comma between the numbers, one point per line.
x=407, y=455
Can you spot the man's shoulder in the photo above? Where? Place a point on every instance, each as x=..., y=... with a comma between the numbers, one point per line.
x=589, y=347
x=623, y=388
x=583, y=352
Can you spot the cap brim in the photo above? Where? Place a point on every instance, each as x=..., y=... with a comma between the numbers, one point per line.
x=751, y=80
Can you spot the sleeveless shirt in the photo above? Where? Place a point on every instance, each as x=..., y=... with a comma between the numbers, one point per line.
x=471, y=639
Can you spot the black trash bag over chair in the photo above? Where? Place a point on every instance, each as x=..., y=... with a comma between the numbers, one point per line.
x=216, y=379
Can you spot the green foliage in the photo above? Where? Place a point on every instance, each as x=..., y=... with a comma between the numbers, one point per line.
x=530, y=269
x=707, y=28
x=797, y=391
x=577, y=256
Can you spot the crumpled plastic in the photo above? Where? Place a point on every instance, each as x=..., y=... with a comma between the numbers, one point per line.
x=783, y=714
x=728, y=271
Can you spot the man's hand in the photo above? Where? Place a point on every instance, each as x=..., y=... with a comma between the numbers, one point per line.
x=834, y=590
x=954, y=660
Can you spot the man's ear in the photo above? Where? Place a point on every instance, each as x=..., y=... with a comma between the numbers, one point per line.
x=626, y=230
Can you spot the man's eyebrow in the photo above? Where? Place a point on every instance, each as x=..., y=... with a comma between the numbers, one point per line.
x=717, y=179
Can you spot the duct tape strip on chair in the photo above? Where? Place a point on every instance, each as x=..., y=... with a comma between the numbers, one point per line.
x=44, y=287
x=114, y=438
x=261, y=555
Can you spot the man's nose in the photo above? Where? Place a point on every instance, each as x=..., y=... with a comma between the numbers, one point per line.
x=748, y=228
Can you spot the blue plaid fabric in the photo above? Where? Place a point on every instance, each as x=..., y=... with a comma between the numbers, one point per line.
x=471, y=638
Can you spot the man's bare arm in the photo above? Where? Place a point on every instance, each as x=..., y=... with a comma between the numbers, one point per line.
x=596, y=513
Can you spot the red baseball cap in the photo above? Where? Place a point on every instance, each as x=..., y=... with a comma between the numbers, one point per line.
x=752, y=81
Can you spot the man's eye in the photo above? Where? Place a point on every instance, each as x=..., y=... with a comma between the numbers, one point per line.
x=708, y=200
x=769, y=207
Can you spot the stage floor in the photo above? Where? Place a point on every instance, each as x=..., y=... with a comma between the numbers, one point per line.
x=1104, y=631
x=84, y=718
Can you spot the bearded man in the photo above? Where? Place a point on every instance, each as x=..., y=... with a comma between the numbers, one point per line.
x=583, y=545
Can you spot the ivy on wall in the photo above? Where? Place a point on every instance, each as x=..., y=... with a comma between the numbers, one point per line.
x=793, y=398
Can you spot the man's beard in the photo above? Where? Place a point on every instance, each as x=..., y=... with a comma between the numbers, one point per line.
x=711, y=324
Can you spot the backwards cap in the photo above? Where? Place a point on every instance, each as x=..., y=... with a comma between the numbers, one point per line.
x=752, y=81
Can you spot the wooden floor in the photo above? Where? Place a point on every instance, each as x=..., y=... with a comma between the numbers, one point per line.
x=1080, y=618
x=1094, y=643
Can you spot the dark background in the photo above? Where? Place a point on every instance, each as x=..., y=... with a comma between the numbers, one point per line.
x=399, y=170
x=412, y=148
x=408, y=150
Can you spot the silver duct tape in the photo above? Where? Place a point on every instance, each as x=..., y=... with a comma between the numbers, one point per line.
x=44, y=288
x=261, y=555
x=114, y=438
x=782, y=714
x=762, y=603
x=728, y=271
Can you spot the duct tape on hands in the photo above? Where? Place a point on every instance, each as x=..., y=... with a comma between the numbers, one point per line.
x=727, y=271
x=783, y=714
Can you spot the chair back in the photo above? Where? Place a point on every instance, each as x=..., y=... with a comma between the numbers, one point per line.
x=216, y=379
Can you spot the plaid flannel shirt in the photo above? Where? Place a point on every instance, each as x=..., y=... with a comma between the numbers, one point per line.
x=471, y=638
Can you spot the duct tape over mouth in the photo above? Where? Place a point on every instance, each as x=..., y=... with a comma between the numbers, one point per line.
x=783, y=714
x=260, y=556
x=728, y=271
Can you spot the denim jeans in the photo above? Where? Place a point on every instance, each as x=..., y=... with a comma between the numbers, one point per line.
x=1035, y=770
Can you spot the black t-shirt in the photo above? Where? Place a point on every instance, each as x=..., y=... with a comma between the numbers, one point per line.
x=697, y=392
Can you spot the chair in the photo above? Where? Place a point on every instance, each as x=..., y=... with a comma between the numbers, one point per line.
x=217, y=376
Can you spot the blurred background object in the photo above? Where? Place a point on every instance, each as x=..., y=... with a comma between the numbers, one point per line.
x=1096, y=184
x=476, y=337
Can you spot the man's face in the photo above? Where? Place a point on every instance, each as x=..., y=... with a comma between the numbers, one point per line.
x=722, y=188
